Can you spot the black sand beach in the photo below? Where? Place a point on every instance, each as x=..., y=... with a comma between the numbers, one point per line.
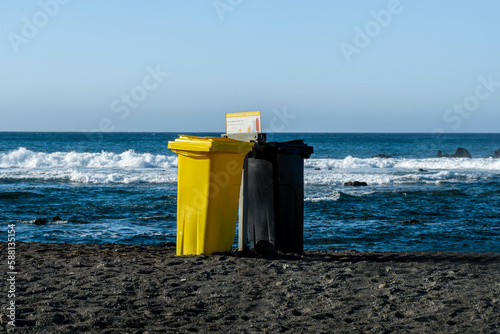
x=63, y=288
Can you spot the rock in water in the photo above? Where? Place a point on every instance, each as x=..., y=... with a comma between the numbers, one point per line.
x=382, y=156
x=462, y=153
x=459, y=153
x=496, y=155
x=40, y=221
x=56, y=219
x=411, y=222
x=359, y=184
x=355, y=184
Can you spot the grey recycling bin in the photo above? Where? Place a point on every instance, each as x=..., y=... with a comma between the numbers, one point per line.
x=274, y=194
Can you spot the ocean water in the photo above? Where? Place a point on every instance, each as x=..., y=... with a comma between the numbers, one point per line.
x=121, y=188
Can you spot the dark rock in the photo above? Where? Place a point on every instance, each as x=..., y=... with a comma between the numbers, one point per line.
x=355, y=184
x=462, y=153
x=411, y=222
x=56, y=219
x=40, y=221
x=459, y=153
x=317, y=168
x=422, y=170
x=265, y=247
x=496, y=155
x=330, y=168
x=382, y=156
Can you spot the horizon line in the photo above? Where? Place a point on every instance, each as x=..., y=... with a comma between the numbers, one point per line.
x=276, y=132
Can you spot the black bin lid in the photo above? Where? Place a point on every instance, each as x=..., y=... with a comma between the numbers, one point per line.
x=296, y=146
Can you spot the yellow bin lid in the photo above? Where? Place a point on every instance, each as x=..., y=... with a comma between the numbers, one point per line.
x=209, y=144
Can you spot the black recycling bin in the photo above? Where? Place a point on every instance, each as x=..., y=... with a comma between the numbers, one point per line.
x=274, y=194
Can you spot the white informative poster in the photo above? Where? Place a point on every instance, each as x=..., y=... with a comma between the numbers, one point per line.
x=243, y=122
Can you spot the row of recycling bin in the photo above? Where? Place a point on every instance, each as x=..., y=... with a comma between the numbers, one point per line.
x=210, y=175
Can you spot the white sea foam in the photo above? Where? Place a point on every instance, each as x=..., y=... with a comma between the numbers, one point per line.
x=57, y=222
x=130, y=167
x=24, y=158
x=334, y=196
x=376, y=171
x=121, y=177
x=103, y=167
x=413, y=164
x=92, y=176
x=339, y=177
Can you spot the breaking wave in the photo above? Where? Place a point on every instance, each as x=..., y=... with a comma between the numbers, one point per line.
x=432, y=163
x=94, y=168
x=24, y=158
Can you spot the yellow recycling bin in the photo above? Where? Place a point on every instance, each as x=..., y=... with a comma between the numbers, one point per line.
x=208, y=190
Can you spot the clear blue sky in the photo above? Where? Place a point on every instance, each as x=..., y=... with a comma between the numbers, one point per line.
x=86, y=65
